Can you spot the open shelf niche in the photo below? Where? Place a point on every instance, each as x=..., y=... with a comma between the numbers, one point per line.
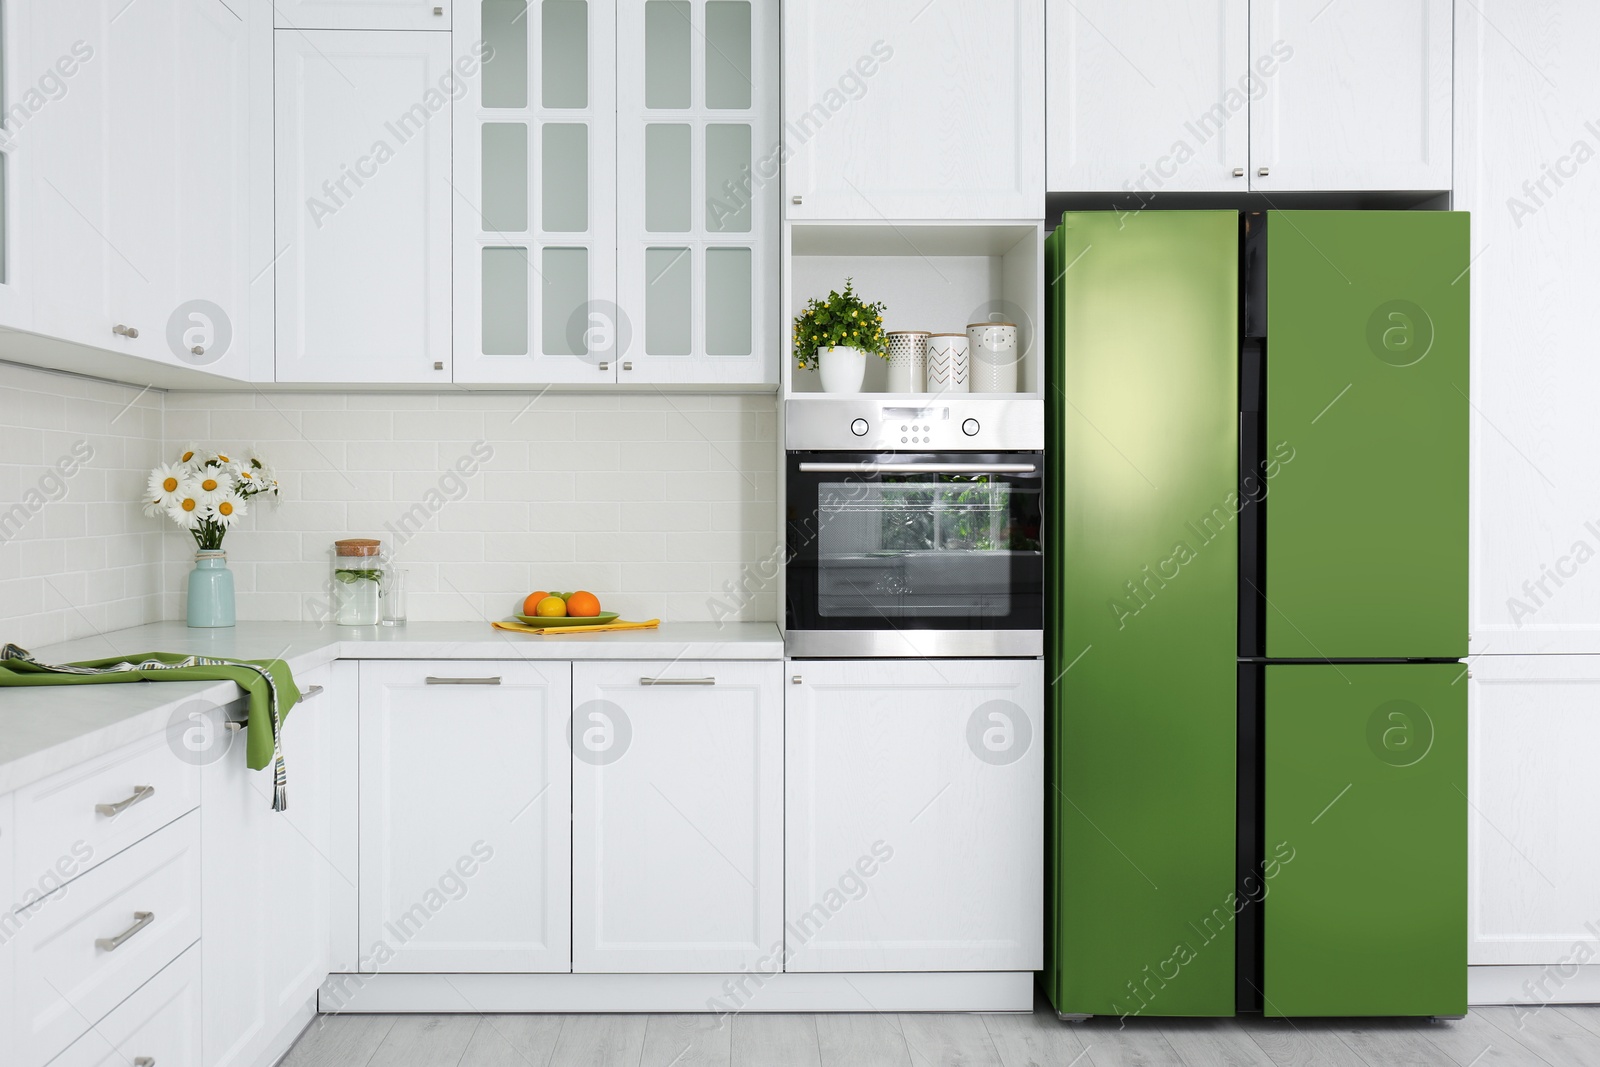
x=934, y=276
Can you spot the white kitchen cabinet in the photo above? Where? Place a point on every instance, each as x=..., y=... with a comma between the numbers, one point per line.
x=465, y=816
x=914, y=816
x=677, y=815
x=363, y=14
x=1535, y=725
x=363, y=205
x=910, y=110
x=698, y=228
x=1149, y=105
x=137, y=179
x=535, y=177
x=158, y=1026
x=1361, y=99
x=269, y=879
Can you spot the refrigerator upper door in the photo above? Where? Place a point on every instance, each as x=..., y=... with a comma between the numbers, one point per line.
x=1143, y=410
x=1367, y=411
x=1364, y=884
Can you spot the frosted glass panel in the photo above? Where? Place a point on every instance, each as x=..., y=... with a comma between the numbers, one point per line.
x=505, y=301
x=727, y=53
x=564, y=53
x=728, y=179
x=565, y=152
x=666, y=178
x=728, y=301
x=666, y=53
x=667, y=301
x=566, y=290
x=505, y=177
x=505, y=36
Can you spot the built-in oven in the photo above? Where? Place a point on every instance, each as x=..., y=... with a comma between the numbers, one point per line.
x=914, y=550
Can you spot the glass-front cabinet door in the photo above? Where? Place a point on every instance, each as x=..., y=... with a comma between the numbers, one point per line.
x=697, y=204
x=535, y=186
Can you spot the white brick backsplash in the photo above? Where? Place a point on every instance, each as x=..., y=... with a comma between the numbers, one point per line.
x=651, y=502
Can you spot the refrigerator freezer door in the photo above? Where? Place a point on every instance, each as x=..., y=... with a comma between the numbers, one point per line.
x=1143, y=426
x=1365, y=878
x=1366, y=539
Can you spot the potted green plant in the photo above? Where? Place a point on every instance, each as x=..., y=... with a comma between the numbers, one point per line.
x=835, y=336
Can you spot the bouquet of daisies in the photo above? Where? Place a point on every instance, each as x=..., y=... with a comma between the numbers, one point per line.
x=207, y=492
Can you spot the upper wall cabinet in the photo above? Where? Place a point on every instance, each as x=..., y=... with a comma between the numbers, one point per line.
x=362, y=14
x=698, y=224
x=1361, y=97
x=535, y=187
x=1148, y=104
x=1285, y=95
x=363, y=204
x=135, y=175
x=902, y=109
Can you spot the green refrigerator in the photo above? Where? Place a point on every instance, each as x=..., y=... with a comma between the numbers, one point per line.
x=1258, y=536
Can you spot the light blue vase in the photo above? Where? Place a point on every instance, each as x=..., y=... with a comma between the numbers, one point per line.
x=210, y=589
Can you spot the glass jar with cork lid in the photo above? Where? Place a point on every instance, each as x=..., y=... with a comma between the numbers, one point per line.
x=357, y=582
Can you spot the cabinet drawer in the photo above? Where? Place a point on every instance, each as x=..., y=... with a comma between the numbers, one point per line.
x=84, y=948
x=159, y=1023
x=72, y=821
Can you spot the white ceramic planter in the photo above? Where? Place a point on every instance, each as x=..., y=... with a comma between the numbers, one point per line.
x=843, y=369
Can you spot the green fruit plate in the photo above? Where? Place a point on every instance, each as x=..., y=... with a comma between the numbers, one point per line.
x=569, y=620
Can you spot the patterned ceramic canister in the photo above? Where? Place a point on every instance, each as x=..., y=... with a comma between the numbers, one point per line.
x=994, y=356
x=947, y=363
x=908, y=357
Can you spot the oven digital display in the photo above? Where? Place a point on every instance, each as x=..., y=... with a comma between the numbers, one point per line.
x=929, y=414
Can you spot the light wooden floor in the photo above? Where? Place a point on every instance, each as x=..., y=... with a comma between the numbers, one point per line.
x=1489, y=1037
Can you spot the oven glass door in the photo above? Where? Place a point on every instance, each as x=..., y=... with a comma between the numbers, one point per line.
x=946, y=541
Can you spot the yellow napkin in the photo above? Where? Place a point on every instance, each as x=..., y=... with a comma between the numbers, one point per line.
x=556, y=631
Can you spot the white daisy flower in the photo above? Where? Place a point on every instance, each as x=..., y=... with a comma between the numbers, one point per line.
x=227, y=509
x=165, y=481
x=192, y=456
x=211, y=484
x=152, y=508
x=187, y=509
x=263, y=473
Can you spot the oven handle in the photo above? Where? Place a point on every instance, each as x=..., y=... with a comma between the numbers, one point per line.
x=918, y=468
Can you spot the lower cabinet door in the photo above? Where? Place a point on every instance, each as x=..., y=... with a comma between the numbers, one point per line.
x=1365, y=812
x=677, y=815
x=915, y=815
x=465, y=816
x=158, y=1026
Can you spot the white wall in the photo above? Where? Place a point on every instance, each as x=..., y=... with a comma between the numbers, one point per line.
x=76, y=556
x=651, y=502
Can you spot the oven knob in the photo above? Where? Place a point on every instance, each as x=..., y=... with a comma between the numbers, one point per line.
x=970, y=427
x=859, y=427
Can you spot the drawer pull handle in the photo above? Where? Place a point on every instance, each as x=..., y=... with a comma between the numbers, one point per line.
x=234, y=726
x=310, y=691
x=144, y=1061
x=140, y=793
x=463, y=681
x=677, y=681
x=141, y=919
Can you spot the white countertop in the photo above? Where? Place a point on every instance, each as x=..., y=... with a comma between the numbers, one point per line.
x=48, y=729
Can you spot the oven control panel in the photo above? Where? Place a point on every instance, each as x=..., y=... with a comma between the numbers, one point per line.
x=988, y=422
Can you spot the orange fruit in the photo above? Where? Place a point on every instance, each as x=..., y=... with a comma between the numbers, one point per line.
x=551, y=607
x=583, y=603
x=531, y=604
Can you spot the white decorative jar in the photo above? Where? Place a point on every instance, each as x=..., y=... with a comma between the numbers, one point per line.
x=947, y=362
x=994, y=356
x=843, y=368
x=908, y=358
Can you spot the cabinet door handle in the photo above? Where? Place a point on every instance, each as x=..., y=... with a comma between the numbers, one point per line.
x=431, y=680
x=795, y=680
x=1262, y=172
x=605, y=366
x=140, y=793
x=627, y=364
x=310, y=691
x=677, y=681
x=124, y=331
x=794, y=200
x=1238, y=172
x=438, y=364
x=144, y=1061
x=141, y=919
